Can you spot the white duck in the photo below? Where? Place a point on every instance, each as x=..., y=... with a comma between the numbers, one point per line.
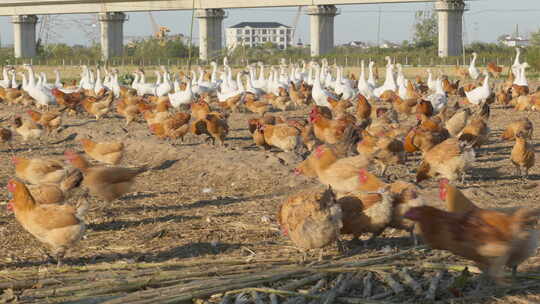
x=14, y=84
x=182, y=97
x=144, y=88
x=480, y=94
x=473, y=71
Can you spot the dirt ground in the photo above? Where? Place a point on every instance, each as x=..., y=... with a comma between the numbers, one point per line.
x=213, y=203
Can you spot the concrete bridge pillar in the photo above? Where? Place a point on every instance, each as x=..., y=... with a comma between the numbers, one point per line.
x=322, y=28
x=210, y=24
x=112, y=34
x=450, y=27
x=24, y=38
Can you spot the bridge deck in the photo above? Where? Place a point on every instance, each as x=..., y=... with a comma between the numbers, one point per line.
x=44, y=7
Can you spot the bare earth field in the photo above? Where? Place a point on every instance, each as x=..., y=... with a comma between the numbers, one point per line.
x=204, y=224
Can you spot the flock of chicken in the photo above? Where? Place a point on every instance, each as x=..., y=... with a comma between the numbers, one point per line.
x=351, y=125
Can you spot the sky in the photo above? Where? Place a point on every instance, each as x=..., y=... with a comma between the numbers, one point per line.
x=485, y=21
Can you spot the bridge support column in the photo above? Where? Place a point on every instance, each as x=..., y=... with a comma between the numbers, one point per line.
x=24, y=38
x=450, y=27
x=210, y=23
x=322, y=28
x=112, y=34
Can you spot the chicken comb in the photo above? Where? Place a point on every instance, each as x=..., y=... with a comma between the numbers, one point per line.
x=297, y=171
x=319, y=151
x=10, y=205
x=363, y=175
x=15, y=160
x=11, y=185
x=442, y=188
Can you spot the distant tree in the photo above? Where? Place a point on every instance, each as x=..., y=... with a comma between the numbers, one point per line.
x=425, y=29
x=535, y=38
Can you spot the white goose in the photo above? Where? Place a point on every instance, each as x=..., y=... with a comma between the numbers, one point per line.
x=480, y=94
x=166, y=85
x=371, y=76
x=14, y=84
x=521, y=80
x=181, y=97
x=473, y=71
x=389, y=82
x=343, y=86
x=516, y=66
x=42, y=98
x=58, y=80
x=438, y=99
x=5, y=82
x=364, y=87
x=431, y=83
x=320, y=95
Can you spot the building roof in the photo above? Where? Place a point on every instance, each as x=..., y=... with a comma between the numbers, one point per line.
x=259, y=25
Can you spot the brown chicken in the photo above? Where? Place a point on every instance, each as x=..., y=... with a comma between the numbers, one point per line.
x=37, y=171
x=168, y=129
x=476, y=130
x=406, y=107
x=457, y=202
x=58, y=226
x=523, y=125
x=296, y=96
x=49, y=120
x=491, y=239
x=522, y=155
x=56, y=193
x=458, y=122
x=265, y=120
x=70, y=101
x=366, y=212
x=128, y=108
x=419, y=140
x=389, y=151
x=200, y=109
x=449, y=87
x=5, y=137
x=214, y=125
x=449, y=159
x=494, y=69
x=311, y=219
x=96, y=107
x=424, y=107
x=28, y=129
x=106, y=152
x=328, y=130
x=281, y=136
x=257, y=107
x=105, y=183
x=363, y=109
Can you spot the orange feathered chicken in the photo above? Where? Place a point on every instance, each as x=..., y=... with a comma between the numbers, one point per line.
x=449, y=159
x=37, y=171
x=526, y=242
x=58, y=226
x=105, y=183
x=488, y=239
x=311, y=219
x=522, y=155
x=214, y=125
x=523, y=125
x=50, y=121
x=327, y=130
x=106, y=152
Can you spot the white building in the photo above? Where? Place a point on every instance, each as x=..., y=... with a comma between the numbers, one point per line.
x=514, y=41
x=258, y=33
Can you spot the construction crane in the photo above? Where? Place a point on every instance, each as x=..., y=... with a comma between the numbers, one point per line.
x=160, y=32
x=295, y=22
